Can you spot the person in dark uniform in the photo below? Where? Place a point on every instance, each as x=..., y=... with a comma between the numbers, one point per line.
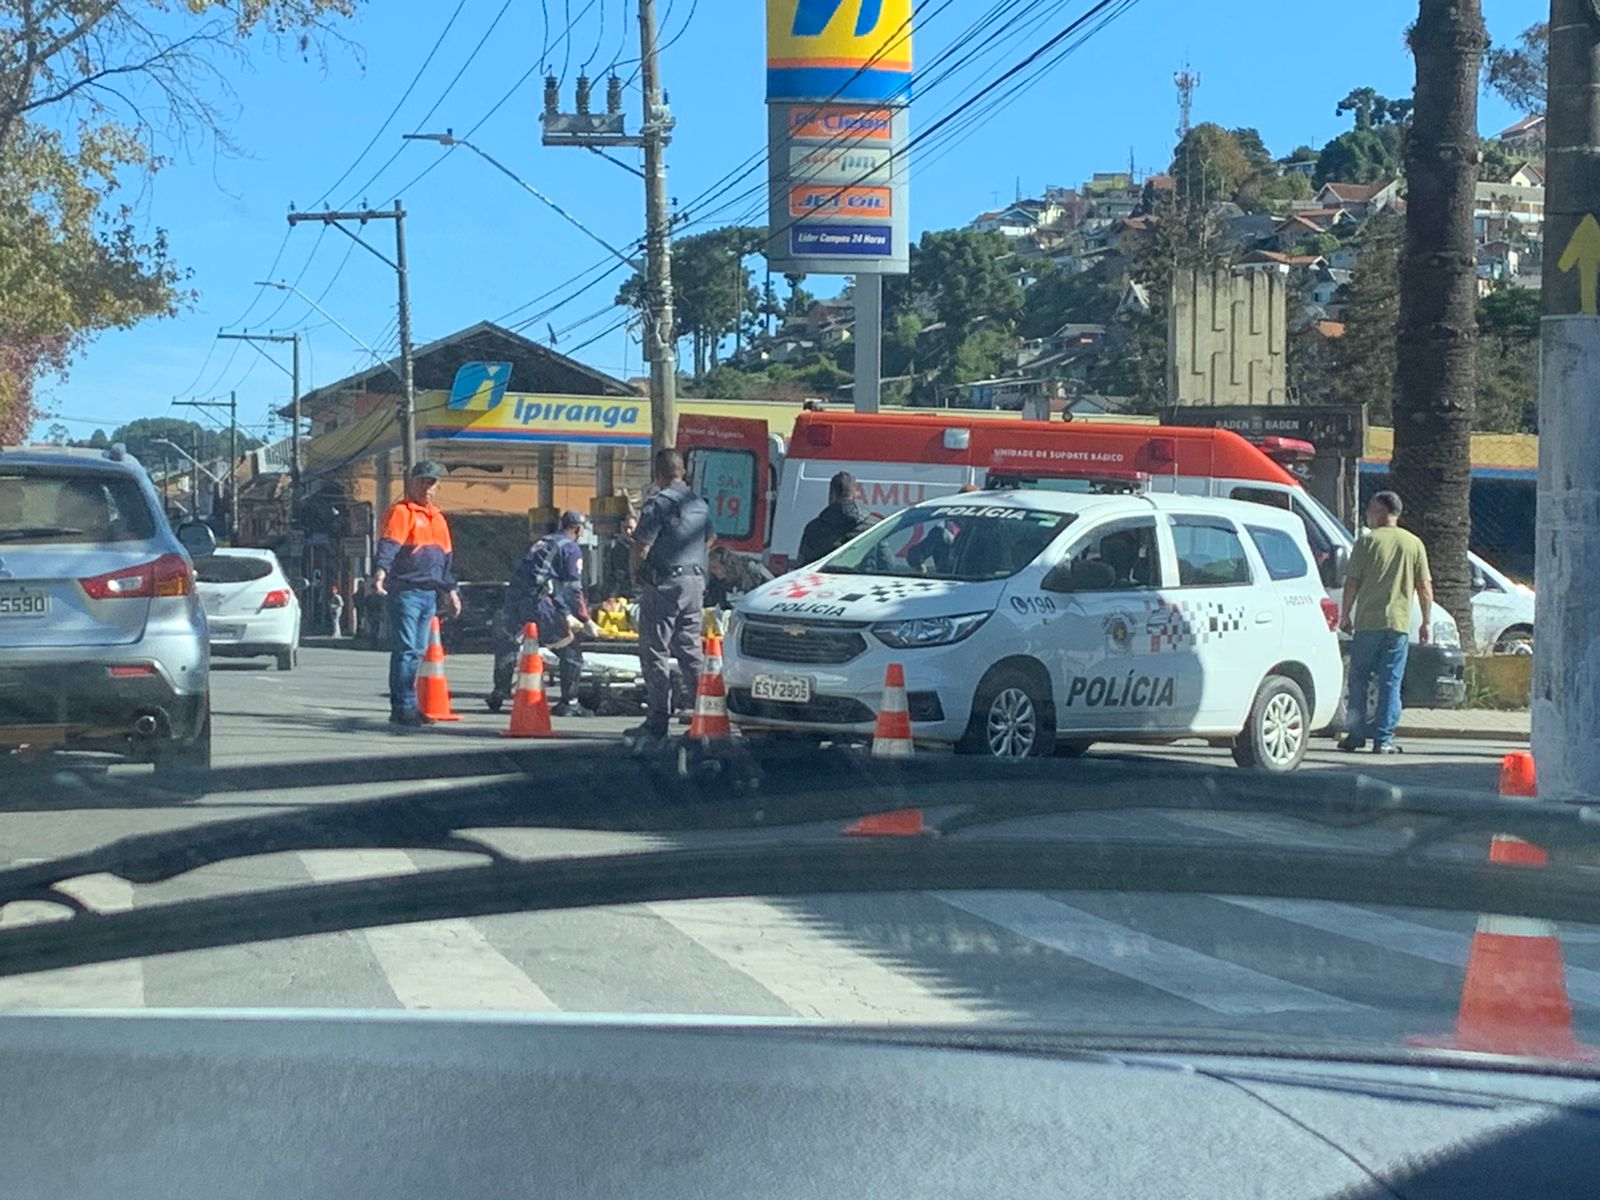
x=547, y=591
x=842, y=520
x=616, y=574
x=670, y=546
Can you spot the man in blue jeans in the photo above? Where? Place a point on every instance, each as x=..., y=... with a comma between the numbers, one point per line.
x=1388, y=572
x=413, y=571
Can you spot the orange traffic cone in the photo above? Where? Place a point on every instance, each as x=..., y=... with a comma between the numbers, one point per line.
x=906, y=822
x=433, y=689
x=711, y=697
x=892, y=736
x=1517, y=776
x=1514, y=1000
x=530, y=711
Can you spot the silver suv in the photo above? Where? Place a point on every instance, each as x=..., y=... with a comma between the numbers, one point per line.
x=102, y=636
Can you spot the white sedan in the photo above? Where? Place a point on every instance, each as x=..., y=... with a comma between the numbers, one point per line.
x=250, y=607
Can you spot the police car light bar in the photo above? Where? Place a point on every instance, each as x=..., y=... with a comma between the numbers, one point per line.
x=1100, y=480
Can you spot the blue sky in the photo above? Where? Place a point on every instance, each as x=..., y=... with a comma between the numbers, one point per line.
x=480, y=247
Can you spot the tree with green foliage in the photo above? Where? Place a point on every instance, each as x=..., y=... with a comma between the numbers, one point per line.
x=1508, y=361
x=1283, y=189
x=1362, y=364
x=1255, y=150
x=1361, y=156
x=92, y=94
x=1520, y=73
x=964, y=276
x=1372, y=150
x=1058, y=297
x=1372, y=110
x=142, y=438
x=1209, y=165
x=713, y=290
x=1498, y=164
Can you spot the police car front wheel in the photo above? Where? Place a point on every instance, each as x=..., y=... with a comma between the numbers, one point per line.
x=1009, y=717
x=1275, y=737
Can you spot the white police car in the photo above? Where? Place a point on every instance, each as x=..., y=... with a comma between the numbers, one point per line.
x=1032, y=621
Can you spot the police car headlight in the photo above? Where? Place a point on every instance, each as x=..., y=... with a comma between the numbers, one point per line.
x=1446, y=633
x=928, y=631
x=733, y=627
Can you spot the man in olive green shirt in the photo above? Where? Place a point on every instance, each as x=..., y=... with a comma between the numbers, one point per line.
x=1388, y=571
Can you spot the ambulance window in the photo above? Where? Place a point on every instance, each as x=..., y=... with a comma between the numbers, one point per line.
x=1278, y=551
x=727, y=479
x=1210, y=553
x=1120, y=557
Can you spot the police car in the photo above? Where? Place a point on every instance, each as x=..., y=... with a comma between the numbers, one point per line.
x=1036, y=621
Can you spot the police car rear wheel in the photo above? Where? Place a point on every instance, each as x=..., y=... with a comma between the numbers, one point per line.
x=1008, y=719
x=1279, y=727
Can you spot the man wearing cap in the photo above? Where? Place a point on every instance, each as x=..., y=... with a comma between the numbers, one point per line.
x=547, y=591
x=413, y=571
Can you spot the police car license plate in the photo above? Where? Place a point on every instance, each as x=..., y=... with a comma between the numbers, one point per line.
x=18, y=602
x=784, y=689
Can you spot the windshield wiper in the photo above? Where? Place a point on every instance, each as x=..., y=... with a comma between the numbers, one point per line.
x=806, y=789
x=23, y=532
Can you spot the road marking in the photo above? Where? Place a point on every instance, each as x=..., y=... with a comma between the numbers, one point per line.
x=437, y=964
x=808, y=970
x=1391, y=933
x=101, y=985
x=1212, y=983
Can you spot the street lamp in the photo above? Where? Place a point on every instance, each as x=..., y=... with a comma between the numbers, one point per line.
x=449, y=139
x=343, y=328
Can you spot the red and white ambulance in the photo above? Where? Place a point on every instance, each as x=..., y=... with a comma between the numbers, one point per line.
x=764, y=490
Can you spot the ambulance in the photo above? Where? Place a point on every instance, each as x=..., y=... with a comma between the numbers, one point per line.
x=1031, y=622
x=763, y=490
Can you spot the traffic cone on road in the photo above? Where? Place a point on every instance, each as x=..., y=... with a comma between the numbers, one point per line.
x=530, y=711
x=905, y=822
x=892, y=736
x=433, y=689
x=1514, y=1000
x=1517, y=776
x=710, y=721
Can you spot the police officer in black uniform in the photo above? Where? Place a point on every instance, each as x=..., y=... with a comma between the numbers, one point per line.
x=670, y=545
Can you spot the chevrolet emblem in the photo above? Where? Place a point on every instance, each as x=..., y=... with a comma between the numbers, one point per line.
x=794, y=630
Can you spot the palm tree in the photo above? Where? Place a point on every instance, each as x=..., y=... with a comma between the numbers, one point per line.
x=1432, y=467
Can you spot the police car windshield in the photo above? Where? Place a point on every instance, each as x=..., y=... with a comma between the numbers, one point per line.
x=968, y=542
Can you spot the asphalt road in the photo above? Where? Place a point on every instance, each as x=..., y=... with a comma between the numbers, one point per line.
x=1073, y=958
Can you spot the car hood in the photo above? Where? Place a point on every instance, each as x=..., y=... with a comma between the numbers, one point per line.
x=869, y=597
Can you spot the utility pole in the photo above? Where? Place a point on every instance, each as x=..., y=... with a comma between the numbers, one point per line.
x=407, y=408
x=294, y=384
x=1566, y=741
x=233, y=455
x=659, y=329
x=594, y=131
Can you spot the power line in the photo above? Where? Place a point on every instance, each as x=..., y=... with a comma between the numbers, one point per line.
x=443, y=96
x=393, y=112
x=499, y=104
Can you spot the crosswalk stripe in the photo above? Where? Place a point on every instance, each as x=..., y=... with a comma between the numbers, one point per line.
x=1391, y=933
x=102, y=985
x=437, y=964
x=807, y=970
x=1212, y=983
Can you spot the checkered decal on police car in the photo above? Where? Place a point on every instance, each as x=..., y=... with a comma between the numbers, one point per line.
x=900, y=589
x=1191, y=623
